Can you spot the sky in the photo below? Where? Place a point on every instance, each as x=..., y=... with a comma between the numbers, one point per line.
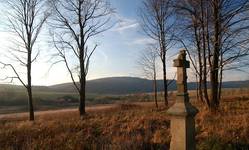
x=117, y=55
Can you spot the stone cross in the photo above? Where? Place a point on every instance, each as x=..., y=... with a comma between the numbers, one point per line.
x=182, y=113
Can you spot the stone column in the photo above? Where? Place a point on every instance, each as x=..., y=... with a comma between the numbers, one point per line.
x=182, y=113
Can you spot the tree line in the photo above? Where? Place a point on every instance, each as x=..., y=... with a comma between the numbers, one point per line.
x=214, y=33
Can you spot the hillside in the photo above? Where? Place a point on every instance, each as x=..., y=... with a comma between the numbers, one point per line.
x=132, y=85
x=116, y=86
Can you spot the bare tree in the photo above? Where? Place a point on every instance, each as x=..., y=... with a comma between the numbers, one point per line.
x=25, y=20
x=157, y=23
x=148, y=65
x=74, y=23
x=222, y=34
x=193, y=39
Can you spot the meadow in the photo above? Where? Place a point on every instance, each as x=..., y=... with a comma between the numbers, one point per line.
x=13, y=99
x=130, y=126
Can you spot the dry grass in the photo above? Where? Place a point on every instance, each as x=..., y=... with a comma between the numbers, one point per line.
x=127, y=126
x=227, y=129
x=120, y=128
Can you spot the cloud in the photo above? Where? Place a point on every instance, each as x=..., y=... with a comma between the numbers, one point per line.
x=143, y=41
x=125, y=24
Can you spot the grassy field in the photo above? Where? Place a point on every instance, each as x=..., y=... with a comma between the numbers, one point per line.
x=125, y=127
x=14, y=99
x=129, y=126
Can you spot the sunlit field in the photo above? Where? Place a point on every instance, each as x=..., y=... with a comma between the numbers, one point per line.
x=128, y=126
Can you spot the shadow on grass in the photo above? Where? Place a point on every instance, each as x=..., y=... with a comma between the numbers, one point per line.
x=213, y=143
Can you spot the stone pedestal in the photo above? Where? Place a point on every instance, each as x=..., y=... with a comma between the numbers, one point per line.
x=182, y=126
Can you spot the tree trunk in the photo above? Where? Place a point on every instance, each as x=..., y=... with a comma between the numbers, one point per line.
x=221, y=76
x=82, y=78
x=155, y=88
x=82, y=85
x=214, y=89
x=31, y=109
x=163, y=50
x=29, y=88
x=204, y=55
x=200, y=64
x=197, y=87
x=82, y=96
x=215, y=61
x=220, y=83
x=200, y=89
x=205, y=80
x=165, y=82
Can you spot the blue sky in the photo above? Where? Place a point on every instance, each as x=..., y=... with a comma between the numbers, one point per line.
x=117, y=54
x=121, y=46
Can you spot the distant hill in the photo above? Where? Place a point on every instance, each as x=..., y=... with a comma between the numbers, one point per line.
x=113, y=85
x=120, y=85
x=130, y=85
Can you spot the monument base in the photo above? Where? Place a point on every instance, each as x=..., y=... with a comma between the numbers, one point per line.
x=183, y=129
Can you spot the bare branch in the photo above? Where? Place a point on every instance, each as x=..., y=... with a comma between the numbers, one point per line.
x=16, y=73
